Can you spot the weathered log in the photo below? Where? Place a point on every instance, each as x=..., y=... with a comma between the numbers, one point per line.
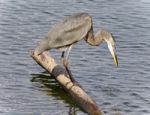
x=75, y=91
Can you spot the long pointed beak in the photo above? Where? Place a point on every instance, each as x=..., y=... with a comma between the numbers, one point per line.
x=115, y=59
x=112, y=50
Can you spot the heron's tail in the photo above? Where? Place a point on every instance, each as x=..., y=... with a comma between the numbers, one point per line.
x=42, y=46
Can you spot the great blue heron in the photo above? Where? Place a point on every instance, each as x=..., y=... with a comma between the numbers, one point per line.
x=71, y=30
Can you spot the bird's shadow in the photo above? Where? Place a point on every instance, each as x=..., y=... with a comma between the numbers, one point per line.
x=52, y=88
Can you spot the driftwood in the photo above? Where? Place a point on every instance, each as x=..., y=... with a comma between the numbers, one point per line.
x=76, y=92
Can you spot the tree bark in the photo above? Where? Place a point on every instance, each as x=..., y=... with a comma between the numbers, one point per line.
x=76, y=92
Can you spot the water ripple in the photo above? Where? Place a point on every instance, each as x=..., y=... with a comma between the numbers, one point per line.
x=125, y=89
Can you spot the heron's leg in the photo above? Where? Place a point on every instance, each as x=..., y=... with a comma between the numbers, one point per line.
x=64, y=59
x=65, y=56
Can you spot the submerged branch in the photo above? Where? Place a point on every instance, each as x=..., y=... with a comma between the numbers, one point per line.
x=76, y=92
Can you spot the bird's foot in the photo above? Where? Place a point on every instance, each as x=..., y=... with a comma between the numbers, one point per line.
x=75, y=83
x=66, y=65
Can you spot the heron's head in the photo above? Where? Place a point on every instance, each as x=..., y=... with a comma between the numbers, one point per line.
x=109, y=39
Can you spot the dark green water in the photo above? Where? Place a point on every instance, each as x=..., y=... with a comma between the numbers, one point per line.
x=24, y=91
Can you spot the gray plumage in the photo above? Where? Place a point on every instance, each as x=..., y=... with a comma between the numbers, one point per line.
x=73, y=29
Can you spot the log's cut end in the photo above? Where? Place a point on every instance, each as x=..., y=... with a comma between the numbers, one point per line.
x=76, y=92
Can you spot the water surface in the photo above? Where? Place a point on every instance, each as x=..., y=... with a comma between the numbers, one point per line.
x=24, y=91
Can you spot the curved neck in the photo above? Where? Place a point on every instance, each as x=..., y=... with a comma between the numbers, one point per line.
x=94, y=40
